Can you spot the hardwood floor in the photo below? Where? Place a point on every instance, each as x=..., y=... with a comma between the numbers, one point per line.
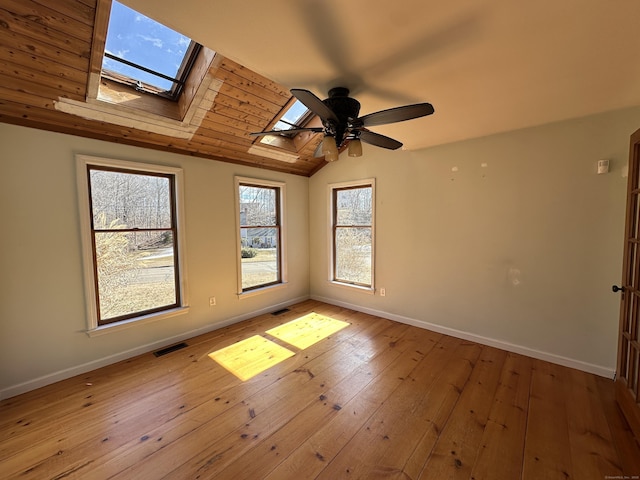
x=378, y=399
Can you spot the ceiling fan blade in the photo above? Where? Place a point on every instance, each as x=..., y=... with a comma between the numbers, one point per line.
x=286, y=132
x=397, y=114
x=379, y=140
x=314, y=104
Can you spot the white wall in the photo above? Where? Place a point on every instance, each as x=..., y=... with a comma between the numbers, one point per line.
x=520, y=253
x=42, y=305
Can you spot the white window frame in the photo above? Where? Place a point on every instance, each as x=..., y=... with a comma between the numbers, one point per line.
x=330, y=240
x=82, y=164
x=283, y=235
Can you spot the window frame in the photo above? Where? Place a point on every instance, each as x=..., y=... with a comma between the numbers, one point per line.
x=83, y=165
x=332, y=215
x=280, y=188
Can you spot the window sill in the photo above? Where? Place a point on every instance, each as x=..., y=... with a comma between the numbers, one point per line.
x=116, y=327
x=359, y=288
x=258, y=291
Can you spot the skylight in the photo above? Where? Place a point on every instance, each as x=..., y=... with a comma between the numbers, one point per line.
x=146, y=54
x=293, y=117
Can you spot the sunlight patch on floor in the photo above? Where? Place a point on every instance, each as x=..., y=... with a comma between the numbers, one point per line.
x=307, y=330
x=251, y=356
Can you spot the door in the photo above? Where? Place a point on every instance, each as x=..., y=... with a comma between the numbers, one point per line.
x=628, y=372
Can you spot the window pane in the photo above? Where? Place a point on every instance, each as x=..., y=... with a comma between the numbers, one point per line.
x=127, y=200
x=292, y=116
x=354, y=206
x=353, y=255
x=259, y=256
x=135, y=272
x=257, y=206
x=143, y=41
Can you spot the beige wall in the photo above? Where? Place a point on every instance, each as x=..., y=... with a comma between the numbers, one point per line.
x=42, y=305
x=520, y=253
x=519, y=247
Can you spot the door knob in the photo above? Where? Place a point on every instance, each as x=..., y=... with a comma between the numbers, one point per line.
x=617, y=289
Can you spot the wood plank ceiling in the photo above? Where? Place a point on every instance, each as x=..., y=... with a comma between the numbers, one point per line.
x=48, y=49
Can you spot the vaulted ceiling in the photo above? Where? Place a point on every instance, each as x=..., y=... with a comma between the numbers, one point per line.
x=486, y=66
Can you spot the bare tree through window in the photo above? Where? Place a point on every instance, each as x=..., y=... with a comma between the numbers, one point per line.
x=134, y=242
x=352, y=234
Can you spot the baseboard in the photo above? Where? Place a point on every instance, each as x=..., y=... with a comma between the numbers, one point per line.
x=510, y=347
x=48, y=379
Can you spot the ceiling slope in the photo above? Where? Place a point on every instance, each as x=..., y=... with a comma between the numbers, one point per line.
x=45, y=52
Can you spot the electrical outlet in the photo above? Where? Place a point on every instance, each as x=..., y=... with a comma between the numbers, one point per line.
x=212, y=301
x=383, y=292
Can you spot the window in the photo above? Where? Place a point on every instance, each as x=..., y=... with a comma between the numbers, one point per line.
x=296, y=115
x=131, y=239
x=144, y=75
x=352, y=233
x=260, y=234
x=145, y=54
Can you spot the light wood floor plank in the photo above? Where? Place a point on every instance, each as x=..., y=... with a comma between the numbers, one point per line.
x=622, y=438
x=338, y=383
x=224, y=437
x=390, y=363
x=455, y=452
x=327, y=439
x=211, y=403
x=504, y=433
x=377, y=399
x=592, y=452
x=547, y=448
x=379, y=449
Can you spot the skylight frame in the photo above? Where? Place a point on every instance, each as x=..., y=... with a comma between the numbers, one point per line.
x=178, y=82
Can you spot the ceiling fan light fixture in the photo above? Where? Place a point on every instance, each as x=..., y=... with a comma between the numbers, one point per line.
x=329, y=148
x=331, y=156
x=355, y=148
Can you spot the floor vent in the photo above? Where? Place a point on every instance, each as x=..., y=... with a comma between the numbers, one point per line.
x=172, y=348
x=280, y=312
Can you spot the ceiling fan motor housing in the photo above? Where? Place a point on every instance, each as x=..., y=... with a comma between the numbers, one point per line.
x=345, y=108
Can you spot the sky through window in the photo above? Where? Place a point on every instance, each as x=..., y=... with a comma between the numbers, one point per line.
x=292, y=116
x=143, y=41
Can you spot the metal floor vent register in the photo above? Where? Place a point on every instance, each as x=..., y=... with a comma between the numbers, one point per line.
x=280, y=312
x=172, y=348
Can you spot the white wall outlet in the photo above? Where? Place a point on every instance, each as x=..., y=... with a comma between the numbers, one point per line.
x=383, y=292
x=212, y=301
x=603, y=166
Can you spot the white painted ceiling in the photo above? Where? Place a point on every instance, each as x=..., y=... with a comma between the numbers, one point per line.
x=487, y=66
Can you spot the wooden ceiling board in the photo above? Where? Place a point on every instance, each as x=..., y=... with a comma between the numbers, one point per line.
x=45, y=52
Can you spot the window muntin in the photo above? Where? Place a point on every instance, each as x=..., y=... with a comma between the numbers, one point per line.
x=145, y=54
x=353, y=234
x=131, y=239
x=260, y=235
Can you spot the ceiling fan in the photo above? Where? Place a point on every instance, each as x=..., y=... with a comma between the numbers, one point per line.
x=339, y=115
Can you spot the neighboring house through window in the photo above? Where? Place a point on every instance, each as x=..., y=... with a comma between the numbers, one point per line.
x=132, y=239
x=352, y=233
x=260, y=234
